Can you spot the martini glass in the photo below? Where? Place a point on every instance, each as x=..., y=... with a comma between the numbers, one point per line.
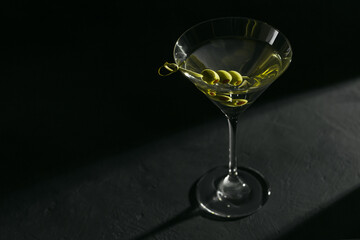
x=232, y=61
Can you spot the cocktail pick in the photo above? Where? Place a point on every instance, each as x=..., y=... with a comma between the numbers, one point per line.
x=172, y=68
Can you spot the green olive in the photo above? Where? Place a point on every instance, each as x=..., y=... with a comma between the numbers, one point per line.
x=235, y=102
x=210, y=76
x=225, y=77
x=240, y=102
x=236, y=78
x=222, y=98
x=211, y=93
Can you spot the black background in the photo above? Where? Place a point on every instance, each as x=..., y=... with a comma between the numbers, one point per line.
x=79, y=81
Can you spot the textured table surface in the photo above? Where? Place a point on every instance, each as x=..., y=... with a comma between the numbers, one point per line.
x=307, y=146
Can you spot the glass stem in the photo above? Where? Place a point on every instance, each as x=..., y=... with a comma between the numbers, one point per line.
x=232, y=187
x=232, y=122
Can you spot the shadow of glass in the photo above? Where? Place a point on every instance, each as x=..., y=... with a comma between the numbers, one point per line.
x=339, y=221
x=183, y=216
x=194, y=210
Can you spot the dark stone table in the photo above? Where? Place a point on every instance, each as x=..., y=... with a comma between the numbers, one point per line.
x=307, y=146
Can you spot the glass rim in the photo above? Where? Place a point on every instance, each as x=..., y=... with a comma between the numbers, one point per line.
x=224, y=18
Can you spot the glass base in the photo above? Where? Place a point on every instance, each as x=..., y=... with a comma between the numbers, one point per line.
x=210, y=200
